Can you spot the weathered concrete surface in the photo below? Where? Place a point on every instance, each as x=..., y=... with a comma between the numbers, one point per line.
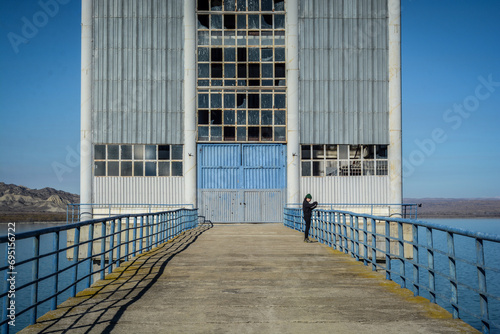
x=246, y=279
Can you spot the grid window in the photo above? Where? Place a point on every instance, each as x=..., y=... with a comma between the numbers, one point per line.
x=241, y=59
x=138, y=160
x=344, y=160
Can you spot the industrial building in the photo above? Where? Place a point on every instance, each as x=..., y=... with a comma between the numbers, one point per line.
x=239, y=107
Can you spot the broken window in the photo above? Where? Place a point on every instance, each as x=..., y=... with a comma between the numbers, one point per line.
x=229, y=21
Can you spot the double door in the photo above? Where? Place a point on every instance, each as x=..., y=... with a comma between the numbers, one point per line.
x=242, y=183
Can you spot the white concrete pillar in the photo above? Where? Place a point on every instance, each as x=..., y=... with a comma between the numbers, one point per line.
x=395, y=147
x=86, y=113
x=190, y=102
x=293, y=133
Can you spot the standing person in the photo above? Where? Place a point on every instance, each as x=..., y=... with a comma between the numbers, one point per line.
x=307, y=208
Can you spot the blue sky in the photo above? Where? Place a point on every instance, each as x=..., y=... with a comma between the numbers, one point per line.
x=451, y=96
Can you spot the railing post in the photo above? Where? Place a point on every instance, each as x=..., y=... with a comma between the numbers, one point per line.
x=34, y=277
x=141, y=234
x=344, y=233
x=90, y=245
x=134, y=236
x=430, y=264
x=118, y=242
x=481, y=277
x=387, y=250
x=55, y=263
x=127, y=237
x=111, y=246
x=374, y=244
x=76, y=254
x=103, y=249
x=416, y=267
x=402, y=270
x=365, y=241
x=453, y=273
x=356, y=237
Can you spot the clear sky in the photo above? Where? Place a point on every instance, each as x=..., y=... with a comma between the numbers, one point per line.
x=451, y=96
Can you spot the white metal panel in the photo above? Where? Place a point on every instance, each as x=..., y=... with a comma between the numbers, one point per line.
x=353, y=189
x=138, y=190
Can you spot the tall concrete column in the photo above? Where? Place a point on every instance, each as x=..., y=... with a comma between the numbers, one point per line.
x=293, y=133
x=395, y=147
x=190, y=102
x=86, y=113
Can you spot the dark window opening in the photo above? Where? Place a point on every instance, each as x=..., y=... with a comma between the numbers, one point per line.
x=216, y=70
x=216, y=117
x=203, y=117
x=216, y=54
x=203, y=21
x=203, y=5
x=216, y=4
x=254, y=83
x=242, y=54
x=229, y=133
x=279, y=70
x=241, y=101
x=253, y=101
x=254, y=70
x=267, y=21
x=229, y=21
x=163, y=152
x=253, y=133
x=242, y=70
x=279, y=5
x=267, y=5
x=267, y=133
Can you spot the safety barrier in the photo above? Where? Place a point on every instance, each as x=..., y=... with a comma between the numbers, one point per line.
x=89, y=250
x=449, y=266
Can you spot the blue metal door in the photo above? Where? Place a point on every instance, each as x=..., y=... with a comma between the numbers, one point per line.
x=241, y=182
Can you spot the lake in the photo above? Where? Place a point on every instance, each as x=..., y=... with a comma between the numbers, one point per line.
x=464, y=248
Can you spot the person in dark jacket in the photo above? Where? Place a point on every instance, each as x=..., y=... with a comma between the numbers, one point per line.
x=307, y=208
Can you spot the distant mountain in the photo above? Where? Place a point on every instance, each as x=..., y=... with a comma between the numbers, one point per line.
x=457, y=207
x=21, y=200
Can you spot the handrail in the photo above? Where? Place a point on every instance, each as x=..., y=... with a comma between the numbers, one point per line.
x=119, y=238
x=407, y=251
x=409, y=210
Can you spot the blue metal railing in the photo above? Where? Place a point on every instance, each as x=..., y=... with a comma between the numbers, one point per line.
x=105, y=243
x=447, y=265
x=405, y=210
x=75, y=211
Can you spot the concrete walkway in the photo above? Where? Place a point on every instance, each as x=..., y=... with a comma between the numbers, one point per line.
x=245, y=279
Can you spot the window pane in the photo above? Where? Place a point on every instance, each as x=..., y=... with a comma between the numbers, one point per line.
x=266, y=5
x=253, y=54
x=279, y=21
x=279, y=54
x=100, y=168
x=242, y=19
x=216, y=117
x=242, y=117
x=305, y=152
x=229, y=54
x=228, y=100
x=216, y=5
x=216, y=38
x=343, y=151
x=126, y=152
x=344, y=168
x=253, y=21
x=127, y=168
x=306, y=168
x=203, y=71
x=203, y=54
x=267, y=100
x=368, y=152
x=216, y=22
x=163, y=152
x=266, y=117
x=242, y=5
x=229, y=5
x=100, y=152
x=331, y=168
x=280, y=101
x=150, y=152
x=267, y=70
x=382, y=152
x=203, y=133
x=138, y=169
x=355, y=168
x=318, y=152
x=279, y=117
x=279, y=5
x=253, y=117
x=267, y=54
x=176, y=168
x=381, y=167
x=138, y=152
x=242, y=134
x=164, y=169
x=280, y=133
x=253, y=5
x=113, y=168
x=355, y=151
x=229, y=117
x=203, y=38
x=267, y=22
x=150, y=168
x=177, y=151
x=331, y=152
x=203, y=101
x=318, y=168
x=216, y=133
x=113, y=152
x=229, y=71
x=368, y=167
x=215, y=101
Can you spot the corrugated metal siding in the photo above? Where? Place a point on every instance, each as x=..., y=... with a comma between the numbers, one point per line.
x=343, y=72
x=141, y=190
x=354, y=189
x=137, y=72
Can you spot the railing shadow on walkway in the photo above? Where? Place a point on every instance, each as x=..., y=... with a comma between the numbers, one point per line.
x=147, y=267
